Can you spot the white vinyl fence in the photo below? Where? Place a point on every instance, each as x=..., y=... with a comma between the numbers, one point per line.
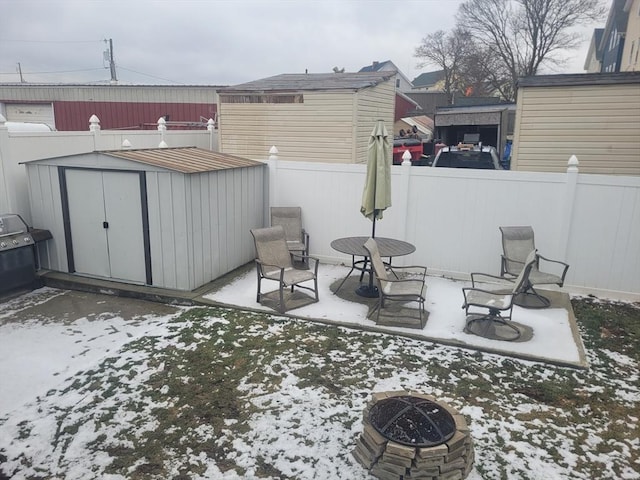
x=452, y=217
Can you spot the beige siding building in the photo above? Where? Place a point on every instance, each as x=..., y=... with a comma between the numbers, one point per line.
x=595, y=117
x=308, y=117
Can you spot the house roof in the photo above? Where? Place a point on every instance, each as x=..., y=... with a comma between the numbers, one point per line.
x=574, y=79
x=428, y=78
x=184, y=160
x=377, y=66
x=295, y=82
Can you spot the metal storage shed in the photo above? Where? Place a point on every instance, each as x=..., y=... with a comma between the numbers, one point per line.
x=168, y=217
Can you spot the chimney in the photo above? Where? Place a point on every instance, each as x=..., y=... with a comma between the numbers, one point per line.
x=375, y=63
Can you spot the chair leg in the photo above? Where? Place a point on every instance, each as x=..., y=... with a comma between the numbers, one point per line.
x=489, y=319
x=281, y=307
x=530, y=298
x=380, y=307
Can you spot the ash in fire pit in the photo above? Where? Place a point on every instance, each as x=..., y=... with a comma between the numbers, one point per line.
x=414, y=436
x=412, y=421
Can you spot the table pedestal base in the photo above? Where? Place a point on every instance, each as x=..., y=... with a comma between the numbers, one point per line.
x=368, y=291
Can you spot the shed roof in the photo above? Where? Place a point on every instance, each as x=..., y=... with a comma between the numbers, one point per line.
x=294, y=82
x=184, y=159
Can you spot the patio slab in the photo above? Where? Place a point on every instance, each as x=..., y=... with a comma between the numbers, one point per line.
x=555, y=340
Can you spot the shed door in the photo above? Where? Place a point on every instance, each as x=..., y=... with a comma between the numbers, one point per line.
x=105, y=216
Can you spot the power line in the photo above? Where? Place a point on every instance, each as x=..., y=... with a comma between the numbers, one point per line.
x=147, y=75
x=63, y=71
x=50, y=41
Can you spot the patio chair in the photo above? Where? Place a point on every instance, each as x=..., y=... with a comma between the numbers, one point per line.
x=407, y=286
x=517, y=242
x=496, y=300
x=274, y=262
x=291, y=220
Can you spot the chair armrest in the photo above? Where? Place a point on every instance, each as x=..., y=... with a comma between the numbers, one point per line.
x=416, y=269
x=416, y=281
x=308, y=258
x=478, y=277
x=565, y=266
x=265, y=266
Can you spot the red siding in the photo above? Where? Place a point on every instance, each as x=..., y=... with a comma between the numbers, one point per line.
x=403, y=107
x=74, y=116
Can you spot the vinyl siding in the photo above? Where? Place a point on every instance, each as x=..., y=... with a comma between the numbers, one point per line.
x=377, y=103
x=328, y=126
x=599, y=124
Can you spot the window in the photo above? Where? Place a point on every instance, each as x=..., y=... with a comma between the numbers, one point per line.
x=470, y=159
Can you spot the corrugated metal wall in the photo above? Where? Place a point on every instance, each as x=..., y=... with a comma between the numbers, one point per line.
x=74, y=116
x=117, y=106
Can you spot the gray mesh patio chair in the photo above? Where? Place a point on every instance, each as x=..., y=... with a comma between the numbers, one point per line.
x=291, y=220
x=496, y=300
x=517, y=242
x=273, y=262
x=410, y=287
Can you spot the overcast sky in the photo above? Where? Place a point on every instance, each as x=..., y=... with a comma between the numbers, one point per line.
x=218, y=42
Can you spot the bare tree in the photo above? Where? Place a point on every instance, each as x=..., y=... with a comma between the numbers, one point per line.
x=446, y=51
x=523, y=34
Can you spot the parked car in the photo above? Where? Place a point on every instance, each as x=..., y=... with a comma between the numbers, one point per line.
x=468, y=156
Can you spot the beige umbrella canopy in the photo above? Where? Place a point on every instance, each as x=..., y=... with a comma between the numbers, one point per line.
x=376, y=196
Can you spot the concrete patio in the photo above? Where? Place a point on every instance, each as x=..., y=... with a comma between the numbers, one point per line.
x=237, y=290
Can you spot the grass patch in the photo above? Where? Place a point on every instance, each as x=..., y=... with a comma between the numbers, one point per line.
x=257, y=396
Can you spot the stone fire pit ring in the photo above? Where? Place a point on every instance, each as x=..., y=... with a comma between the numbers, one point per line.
x=412, y=435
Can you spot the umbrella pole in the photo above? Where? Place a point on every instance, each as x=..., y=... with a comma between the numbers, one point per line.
x=373, y=232
x=370, y=291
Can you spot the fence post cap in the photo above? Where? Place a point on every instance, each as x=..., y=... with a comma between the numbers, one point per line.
x=572, y=164
x=94, y=123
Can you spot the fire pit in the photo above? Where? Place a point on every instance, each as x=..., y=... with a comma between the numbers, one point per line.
x=410, y=435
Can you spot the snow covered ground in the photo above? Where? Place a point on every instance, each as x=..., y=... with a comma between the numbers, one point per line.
x=115, y=396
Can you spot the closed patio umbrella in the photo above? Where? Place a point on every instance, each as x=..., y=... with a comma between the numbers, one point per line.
x=376, y=196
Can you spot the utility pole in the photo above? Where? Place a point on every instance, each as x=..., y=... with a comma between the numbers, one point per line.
x=112, y=63
x=20, y=72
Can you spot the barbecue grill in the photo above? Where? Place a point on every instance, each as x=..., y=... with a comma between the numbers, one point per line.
x=17, y=254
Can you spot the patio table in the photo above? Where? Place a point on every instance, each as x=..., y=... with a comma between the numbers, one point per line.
x=354, y=246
